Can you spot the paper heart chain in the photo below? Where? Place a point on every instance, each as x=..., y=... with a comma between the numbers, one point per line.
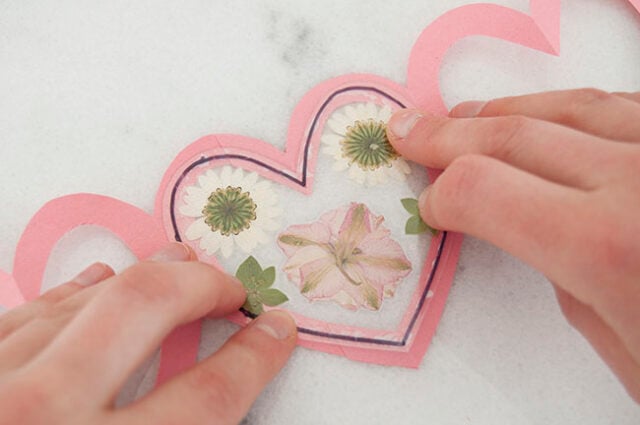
x=144, y=233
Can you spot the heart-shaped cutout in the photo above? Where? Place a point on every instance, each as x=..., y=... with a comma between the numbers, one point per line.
x=218, y=198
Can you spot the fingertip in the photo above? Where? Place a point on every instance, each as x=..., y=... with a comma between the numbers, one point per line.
x=95, y=273
x=223, y=386
x=277, y=324
x=417, y=136
x=401, y=124
x=238, y=288
x=424, y=205
x=468, y=109
x=107, y=270
x=192, y=255
x=233, y=295
x=174, y=251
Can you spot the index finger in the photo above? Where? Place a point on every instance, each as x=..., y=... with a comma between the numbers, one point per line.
x=592, y=111
x=221, y=388
x=551, y=151
x=123, y=324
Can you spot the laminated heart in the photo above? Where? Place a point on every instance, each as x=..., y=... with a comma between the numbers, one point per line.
x=341, y=185
x=317, y=229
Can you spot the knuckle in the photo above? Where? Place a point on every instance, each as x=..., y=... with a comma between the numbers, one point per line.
x=61, y=311
x=436, y=132
x=147, y=283
x=454, y=186
x=10, y=322
x=621, y=167
x=590, y=95
x=617, y=248
x=59, y=293
x=496, y=107
x=21, y=395
x=506, y=136
x=215, y=388
x=580, y=100
x=613, y=248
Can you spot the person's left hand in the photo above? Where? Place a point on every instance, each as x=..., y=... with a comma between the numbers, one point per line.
x=65, y=356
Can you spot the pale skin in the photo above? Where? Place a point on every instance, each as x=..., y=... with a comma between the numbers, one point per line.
x=65, y=356
x=553, y=178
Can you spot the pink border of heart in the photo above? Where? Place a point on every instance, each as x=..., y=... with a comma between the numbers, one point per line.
x=144, y=233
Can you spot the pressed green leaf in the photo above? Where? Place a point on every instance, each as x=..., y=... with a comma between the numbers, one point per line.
x=249, y=271
x=411, y=205
x=267, y=278
x=415, y=226
x=273, y=297
x=253, y=306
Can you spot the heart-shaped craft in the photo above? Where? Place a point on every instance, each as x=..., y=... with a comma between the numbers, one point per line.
x=332, y=220
x=327, y=228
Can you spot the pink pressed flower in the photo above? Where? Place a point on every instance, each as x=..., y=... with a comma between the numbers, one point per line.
x=347, y=256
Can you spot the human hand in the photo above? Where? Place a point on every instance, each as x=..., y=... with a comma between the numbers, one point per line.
x=554, y=179
x=65, y=356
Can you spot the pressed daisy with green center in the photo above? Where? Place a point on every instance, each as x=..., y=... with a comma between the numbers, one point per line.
x=229, y=211
x=366, y=145
x=355, y=137
x=228, y=208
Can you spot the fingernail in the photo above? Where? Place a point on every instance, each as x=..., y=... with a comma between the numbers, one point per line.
x=422, y=200
x=175, y=251
x=236, y=281
x=277, y=324
x=468, y=109
x=92, y=274
x=402, y=122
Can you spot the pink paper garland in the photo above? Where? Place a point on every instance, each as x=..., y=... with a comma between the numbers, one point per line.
x=144, y=233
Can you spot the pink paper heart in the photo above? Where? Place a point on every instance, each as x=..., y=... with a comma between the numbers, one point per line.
x=294, y=167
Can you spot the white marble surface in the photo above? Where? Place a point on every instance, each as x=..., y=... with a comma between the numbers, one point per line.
x=100, y=97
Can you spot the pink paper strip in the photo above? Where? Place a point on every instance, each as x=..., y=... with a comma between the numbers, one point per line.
x=137, y=229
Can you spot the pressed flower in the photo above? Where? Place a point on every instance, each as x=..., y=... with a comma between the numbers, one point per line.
x=231, y=209
x=356, y=138
x=347, y=256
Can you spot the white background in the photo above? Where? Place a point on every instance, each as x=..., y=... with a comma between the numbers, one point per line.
x=100, y=97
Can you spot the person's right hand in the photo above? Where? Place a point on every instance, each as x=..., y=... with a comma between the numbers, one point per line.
x=553, y=178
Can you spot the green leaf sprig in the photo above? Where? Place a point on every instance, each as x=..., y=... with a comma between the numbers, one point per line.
x=415, y=225
x=258, y=284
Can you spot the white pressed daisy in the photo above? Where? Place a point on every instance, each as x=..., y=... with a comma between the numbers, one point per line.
x=356, y=137
x=231, y=208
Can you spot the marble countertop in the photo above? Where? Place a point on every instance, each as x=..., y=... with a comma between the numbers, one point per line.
x=100, y=97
